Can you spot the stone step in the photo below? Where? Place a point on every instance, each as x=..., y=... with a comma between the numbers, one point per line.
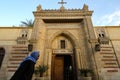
x=19, y=52
x=109, y=60
x=20, y=46
x=110, y=63
x=110, y=67
x=111, y=75
x=12, y=66
x=112, y=70
x=101, y=63
x=18, y=59
x=15, y=63
x=105, y=69
x=106, y=52
x=108, y=56
x=105, y=46
x=17, y=56
x=106, y=49
x=11, y=70
x=114, y=65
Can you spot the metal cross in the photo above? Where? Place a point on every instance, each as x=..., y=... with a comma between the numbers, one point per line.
x=62, y=2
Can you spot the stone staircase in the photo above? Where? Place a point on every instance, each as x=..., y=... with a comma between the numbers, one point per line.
x=18, y=53
x=107, y=63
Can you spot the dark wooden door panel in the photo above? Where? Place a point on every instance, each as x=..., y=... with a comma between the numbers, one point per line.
x=59, y=68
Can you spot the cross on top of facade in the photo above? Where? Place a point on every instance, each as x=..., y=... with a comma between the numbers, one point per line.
x=62, y=2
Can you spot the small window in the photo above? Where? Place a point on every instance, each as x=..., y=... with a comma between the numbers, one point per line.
x=99, y=35
x=103, y=35
x=22, y=35
x=26, y=35
x=62, y=42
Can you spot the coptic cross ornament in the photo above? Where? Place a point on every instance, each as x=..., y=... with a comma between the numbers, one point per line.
x=62, y=2
x=62, y=7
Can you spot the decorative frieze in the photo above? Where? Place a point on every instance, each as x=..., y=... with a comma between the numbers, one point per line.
x=62, y=12
x=51, y=13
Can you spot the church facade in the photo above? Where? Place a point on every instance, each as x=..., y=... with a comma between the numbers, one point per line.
x=68, y=43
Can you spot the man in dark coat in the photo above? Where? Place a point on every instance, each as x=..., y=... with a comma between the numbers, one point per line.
x=26, y=68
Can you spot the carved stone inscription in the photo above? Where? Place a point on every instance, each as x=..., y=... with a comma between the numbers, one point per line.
x=63, y=51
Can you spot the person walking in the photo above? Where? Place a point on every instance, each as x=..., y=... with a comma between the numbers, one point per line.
x=26, y=68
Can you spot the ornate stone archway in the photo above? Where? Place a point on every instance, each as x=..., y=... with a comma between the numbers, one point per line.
x=66, y=33
x=60, y=55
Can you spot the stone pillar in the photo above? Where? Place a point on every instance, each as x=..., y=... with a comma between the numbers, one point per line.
x=90, y=43
x=48, y=61
x=81, y=59
x=38, y=37
x=89, y=26
x=89, y=39
x=78, y=60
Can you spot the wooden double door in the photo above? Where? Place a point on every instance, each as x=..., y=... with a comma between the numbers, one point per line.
x=63, y=67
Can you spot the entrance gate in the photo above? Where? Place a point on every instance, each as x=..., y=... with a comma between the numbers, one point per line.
x=63, y=67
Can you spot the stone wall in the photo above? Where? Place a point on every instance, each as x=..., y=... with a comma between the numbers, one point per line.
x=8, y=35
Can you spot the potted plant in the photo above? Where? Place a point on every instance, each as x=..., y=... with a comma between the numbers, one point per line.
x=39, y=71
x=86, y=74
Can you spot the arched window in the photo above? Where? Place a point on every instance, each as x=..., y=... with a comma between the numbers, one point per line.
x=22, y=35
x=99, y=35
x=25, y=35
x=2, y=53
x=103, y=35
x=62, y=42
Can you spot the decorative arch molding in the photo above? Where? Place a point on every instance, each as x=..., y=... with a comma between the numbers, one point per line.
x=66, y=34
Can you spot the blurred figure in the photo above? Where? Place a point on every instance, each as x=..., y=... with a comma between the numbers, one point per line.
x=26, y=68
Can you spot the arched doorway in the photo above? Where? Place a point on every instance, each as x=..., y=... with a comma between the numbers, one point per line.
x=63, y=68
x=2, y=54
x=63, y=58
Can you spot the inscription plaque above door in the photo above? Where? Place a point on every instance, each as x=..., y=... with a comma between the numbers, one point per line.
x=63, y=51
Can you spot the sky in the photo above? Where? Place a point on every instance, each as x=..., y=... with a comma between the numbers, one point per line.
x=12, y=12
